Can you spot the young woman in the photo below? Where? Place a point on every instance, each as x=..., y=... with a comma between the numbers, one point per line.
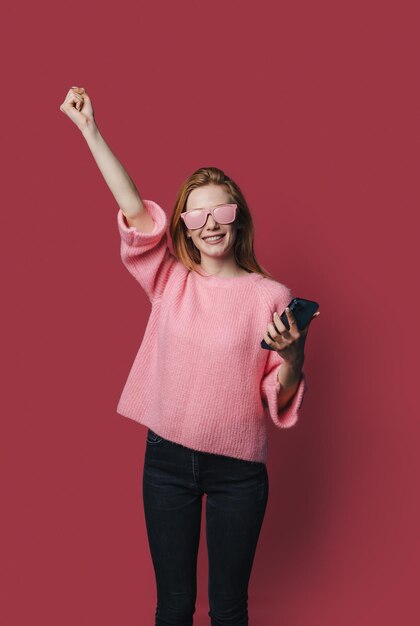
x=200, y=382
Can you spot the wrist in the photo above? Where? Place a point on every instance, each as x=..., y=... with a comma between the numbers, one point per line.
x=88, y=127
x=289, y=374
x=294, y=366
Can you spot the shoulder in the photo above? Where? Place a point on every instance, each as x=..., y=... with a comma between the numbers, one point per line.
x=277, y=294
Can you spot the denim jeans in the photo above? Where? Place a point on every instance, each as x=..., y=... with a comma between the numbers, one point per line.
x=174, y=480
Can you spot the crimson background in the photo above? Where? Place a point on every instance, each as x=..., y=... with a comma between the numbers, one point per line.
x=312, y=107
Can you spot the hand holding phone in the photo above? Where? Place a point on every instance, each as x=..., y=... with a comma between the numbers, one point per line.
x=302, y=310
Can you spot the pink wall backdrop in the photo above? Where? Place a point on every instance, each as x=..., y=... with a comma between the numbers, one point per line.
x=312, y=107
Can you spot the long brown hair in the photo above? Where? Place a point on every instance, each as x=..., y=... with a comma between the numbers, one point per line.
x=184, y=248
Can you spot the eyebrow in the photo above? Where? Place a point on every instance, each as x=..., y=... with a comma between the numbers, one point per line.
x=200, y=207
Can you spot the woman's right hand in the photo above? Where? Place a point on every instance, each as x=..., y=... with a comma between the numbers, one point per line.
x=78, y=107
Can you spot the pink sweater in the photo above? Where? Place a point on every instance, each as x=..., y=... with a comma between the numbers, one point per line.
x=200, y=377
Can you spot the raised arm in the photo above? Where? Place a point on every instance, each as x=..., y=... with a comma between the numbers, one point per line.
x=78, y=107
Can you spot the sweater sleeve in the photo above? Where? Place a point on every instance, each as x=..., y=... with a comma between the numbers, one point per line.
x=146, y=255
x=270, y=385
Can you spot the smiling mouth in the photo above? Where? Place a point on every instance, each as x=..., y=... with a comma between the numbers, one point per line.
x=214, y=237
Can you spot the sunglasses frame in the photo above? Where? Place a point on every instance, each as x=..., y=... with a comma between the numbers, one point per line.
x=211, y=210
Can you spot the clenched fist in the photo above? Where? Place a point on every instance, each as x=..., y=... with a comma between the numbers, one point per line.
x=78, y=107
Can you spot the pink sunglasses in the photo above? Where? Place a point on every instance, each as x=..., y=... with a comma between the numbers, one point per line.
x=223, y=214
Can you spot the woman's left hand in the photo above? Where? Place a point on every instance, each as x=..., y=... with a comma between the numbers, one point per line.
x=289, y=344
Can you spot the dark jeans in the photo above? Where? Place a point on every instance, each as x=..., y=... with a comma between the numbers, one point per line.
x=174, y=480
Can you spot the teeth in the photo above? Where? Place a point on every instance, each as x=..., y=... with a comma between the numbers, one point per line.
x=213, y=238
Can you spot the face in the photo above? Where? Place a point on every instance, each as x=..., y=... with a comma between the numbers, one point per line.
x=205, y=198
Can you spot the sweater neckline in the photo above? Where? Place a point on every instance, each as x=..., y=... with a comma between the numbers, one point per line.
x=227, y=281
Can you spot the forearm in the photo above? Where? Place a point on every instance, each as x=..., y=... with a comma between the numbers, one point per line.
x=119, y=182
x=289, y=378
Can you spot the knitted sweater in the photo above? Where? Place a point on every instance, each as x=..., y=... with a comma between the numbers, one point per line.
x=200, y=377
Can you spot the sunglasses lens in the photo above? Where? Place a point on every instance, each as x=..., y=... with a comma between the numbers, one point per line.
x=194, y=219
x=224, y=214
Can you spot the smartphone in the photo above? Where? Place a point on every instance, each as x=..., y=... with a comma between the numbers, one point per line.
x=302, y=309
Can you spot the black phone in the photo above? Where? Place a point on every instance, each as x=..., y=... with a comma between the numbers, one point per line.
x=302, y=309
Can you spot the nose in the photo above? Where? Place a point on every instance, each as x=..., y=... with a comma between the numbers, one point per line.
x=210, y=221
